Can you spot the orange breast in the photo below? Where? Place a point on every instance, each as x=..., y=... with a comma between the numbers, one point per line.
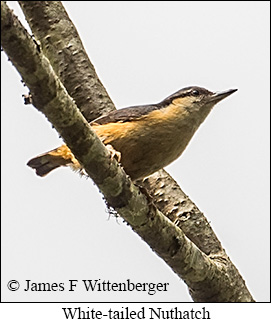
x=147, y=144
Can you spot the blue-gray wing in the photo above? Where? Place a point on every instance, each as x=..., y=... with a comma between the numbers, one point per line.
x=126, y=114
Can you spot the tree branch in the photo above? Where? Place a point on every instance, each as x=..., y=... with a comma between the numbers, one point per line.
x=51, y=25
x=208, y=277
x=62, y=45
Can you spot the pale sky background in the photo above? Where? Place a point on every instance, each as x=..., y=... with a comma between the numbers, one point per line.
x=56, y=228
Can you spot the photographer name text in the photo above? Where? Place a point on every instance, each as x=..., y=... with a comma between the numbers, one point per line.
x=96, y=285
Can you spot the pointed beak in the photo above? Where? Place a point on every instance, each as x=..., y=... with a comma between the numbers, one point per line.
x=218, y=96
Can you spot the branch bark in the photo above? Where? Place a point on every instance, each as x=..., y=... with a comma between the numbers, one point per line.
x=203, y=264
x=62, y=45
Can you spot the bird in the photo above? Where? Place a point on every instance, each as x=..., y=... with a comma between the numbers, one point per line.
x=145, y=138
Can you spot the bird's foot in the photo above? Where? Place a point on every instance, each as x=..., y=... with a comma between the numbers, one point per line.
x=114, y=153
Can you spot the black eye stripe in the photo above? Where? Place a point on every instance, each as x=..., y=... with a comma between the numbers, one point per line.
x=191, y=91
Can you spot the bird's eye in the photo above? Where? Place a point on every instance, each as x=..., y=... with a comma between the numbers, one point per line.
x=195, y=93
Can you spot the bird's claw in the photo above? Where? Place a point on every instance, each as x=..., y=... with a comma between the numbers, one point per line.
x=114, y=153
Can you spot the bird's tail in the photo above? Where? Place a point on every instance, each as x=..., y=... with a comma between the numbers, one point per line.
x=61, y=156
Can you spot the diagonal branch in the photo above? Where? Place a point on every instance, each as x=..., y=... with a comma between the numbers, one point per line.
x=63, y=47
x=199, y=271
